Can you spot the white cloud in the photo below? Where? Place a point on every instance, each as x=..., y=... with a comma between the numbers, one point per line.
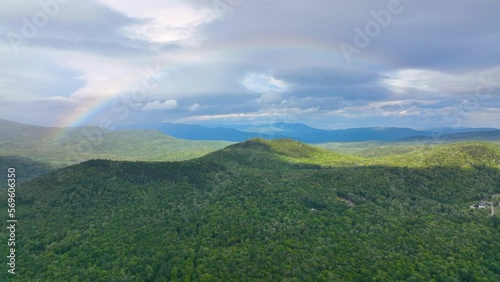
x=403, y=81
x=194, y=107
x=270, y=98
x=486, y=117
x=263, y=83
x=104, y=76
x=263, y=115
x=399, y=103
x=232, y=116
x=412, y=111
x=165, y=21
x=157, y=105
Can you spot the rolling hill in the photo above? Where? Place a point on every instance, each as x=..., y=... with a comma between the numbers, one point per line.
x=65, y=146
x=463, y=154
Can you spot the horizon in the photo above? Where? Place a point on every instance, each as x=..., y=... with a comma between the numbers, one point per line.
x=368, y=64
x=237, y=126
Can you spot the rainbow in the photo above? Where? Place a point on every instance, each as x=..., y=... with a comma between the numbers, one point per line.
x=79, y=118
x=328, y=53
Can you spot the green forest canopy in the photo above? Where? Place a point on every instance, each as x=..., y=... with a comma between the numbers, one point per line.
x=268, y=211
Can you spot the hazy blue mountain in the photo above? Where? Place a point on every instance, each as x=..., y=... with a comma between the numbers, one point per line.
x=309, y=134
x=290, y=130
x=198, y=132
x=297, y=131
x=460, y=130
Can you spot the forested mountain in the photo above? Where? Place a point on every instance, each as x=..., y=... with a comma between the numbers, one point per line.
x=373, y=149
x=65, y=146
x=265, y=211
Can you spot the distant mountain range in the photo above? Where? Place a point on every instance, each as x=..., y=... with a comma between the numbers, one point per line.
x=307, y=134
x=198, y=132
x=16, y=133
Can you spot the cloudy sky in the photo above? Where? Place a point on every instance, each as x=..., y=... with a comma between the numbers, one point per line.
x=327, y=63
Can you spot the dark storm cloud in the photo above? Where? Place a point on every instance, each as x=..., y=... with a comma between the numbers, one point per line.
x=327, y=77
x=442, y=35
x=452, y=35
x=334, y=82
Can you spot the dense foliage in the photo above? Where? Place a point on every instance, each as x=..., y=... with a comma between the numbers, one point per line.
x=265, y=211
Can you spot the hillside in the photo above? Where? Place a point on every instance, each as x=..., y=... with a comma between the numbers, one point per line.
x=457, y=154
x=62, y=146
x=490, y=135
x=370, y=149
x=376, y=149
x=281, y=215
x=464, y=154
x=27, y=168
